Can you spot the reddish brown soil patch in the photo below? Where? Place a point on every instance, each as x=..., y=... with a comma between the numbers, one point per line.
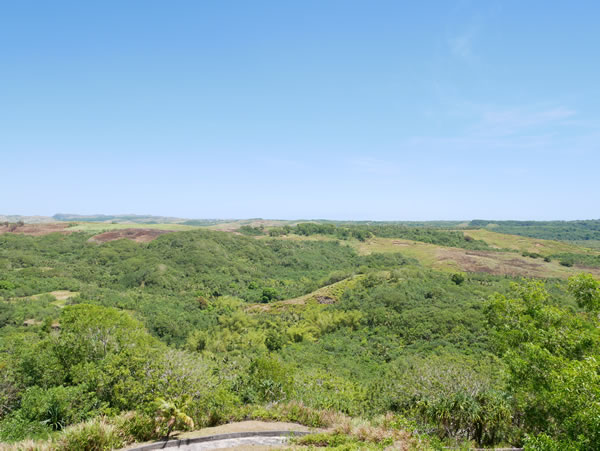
x=491, y=263
x=35, y=229
x=324, y=299
x=399, y=243
x=138, y=235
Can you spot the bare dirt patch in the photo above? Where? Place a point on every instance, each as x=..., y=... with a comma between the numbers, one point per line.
x=506, y=263
x=137, y=235
x=492, y=263
x=35, y=229
x=325, y=299
x=60, y=295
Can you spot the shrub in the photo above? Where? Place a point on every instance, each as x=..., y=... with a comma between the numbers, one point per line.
x=273, y=340
x=269, y=294
x=6, y=285
x=324, y=439
x=59, y=406
x=135, y=427
x=543, y=442
x=457, y=278
x=93, y=435
x=15, y=427
x=251, y=231
x=267, y=380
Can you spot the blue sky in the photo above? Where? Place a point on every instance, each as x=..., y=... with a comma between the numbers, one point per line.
x=301, y=109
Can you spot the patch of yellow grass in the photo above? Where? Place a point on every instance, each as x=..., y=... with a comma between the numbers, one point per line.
x=527, y=244
x=425, y=253
x=333, y=291
x=455, y=259
x=60, y=297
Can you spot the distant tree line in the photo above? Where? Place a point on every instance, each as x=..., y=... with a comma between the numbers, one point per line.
x=437, y=236
x=549, y=230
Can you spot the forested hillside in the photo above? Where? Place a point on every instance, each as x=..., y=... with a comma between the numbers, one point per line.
x=97, y=338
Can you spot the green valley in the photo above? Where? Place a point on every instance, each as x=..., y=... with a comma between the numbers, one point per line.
x=421, y=334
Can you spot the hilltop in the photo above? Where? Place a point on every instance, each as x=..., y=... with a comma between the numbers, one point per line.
x=446, y=249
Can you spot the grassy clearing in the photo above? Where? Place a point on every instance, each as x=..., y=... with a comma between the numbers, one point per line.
x=591, y=244
x=455, y=259
x=58, y=298
x=425, y=253
x=60, y=295
x=328, y=294
x=526, y=244
x=452, y=259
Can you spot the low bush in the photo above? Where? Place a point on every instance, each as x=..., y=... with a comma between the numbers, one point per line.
x=94, y=435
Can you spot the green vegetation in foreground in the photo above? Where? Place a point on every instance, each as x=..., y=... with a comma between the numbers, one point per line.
x=383, y=351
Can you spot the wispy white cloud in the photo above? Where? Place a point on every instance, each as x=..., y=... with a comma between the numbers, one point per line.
x=489, y=133
x=461, y=46
x=484, y=141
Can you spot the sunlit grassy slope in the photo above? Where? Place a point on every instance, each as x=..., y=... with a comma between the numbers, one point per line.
x=507, y=261
x=523, y=243
x=454, y=259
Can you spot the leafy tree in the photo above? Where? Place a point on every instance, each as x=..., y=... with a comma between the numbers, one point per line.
x=267, y=380
x=273, y=340
x=552, y=358
x=457, y=278
x=586, y=290
x=196, y=341
x=269, y=294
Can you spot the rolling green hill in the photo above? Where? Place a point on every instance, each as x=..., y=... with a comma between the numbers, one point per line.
x=415, y=333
